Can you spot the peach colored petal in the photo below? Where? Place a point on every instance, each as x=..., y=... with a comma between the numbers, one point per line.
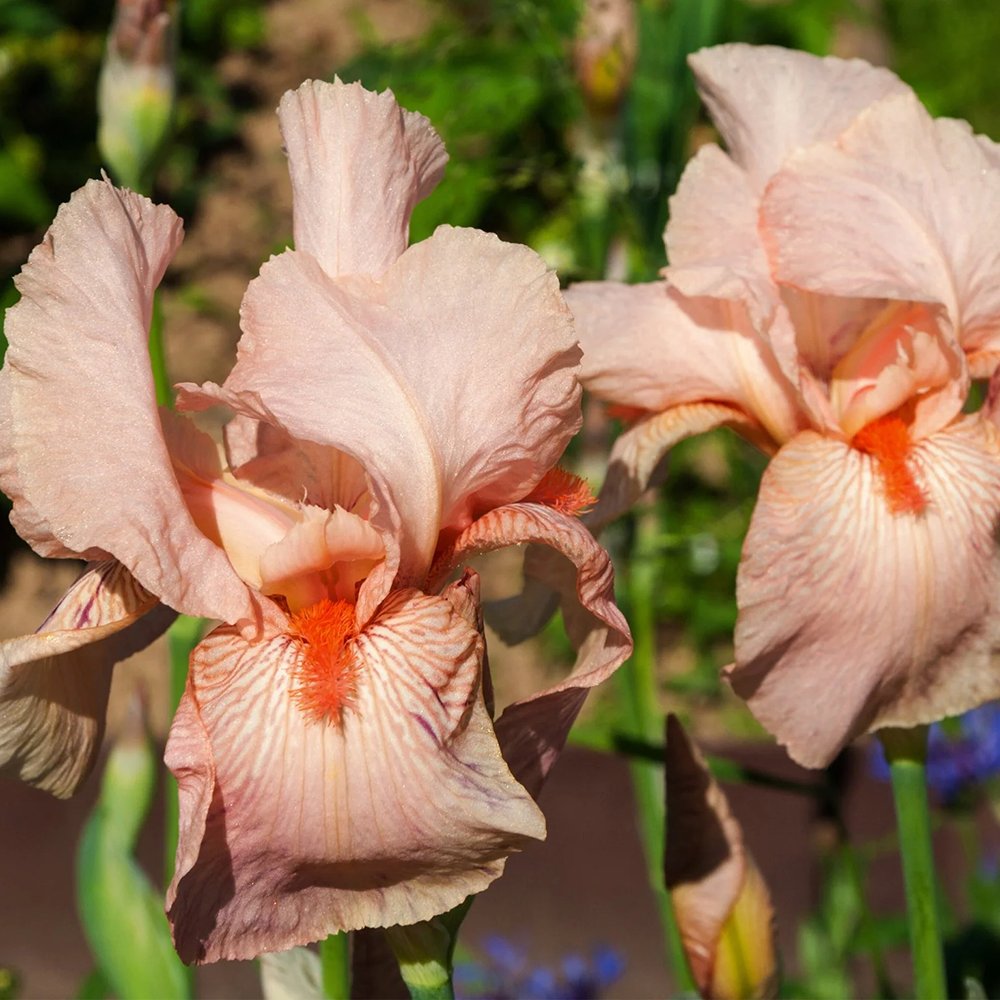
x=880, y=618
x=54, y=683
x=393, y=816
x=358, y=164
x=901, y=207
x=768, y=101
x=532, y=732
x=78, y=391
x=706, y=868
x=399, y=374
x=649, y=346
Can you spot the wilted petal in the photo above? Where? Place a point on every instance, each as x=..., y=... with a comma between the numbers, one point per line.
x=86, y=448
x=901, y=207
x=532, y=732
x=54, y=683
x=717, y=891
x=880, y=618
x=359, y=164
x=650, y=347
x=768, y=101
x=371, y=368
x=392, y=816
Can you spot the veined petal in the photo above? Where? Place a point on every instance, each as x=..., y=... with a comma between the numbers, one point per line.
x=398, y=373
x=901, y=207
x=392, y=816
x=54, y=684
x=532, y=732
x=359, y=163
x=880, y=618
x=651, y=347
x=768, y=101
x=86, y=448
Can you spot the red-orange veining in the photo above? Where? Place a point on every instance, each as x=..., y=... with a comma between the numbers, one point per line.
x=887, y=440
x=326, y=676
x=562, y=491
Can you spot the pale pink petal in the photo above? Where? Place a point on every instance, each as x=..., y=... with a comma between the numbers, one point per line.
x=54, y=684
x=392, y=816
x=768, y=101
x=637, y=454
x=650, y=347
x=399, y=374
x=359, y=164
x=877, y=618
x=86, y=445
x=901, y=207
x=268, y=457
x=532, y=732
x=707, y=870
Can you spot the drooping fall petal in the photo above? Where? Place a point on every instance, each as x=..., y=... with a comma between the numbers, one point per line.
x=721, y=903
x=359, y=163
x=54, y=684
x=768, y=101
x=370, y=368
x=392, y=815
x=532, y=731
x=854, y=616
x=70, y=411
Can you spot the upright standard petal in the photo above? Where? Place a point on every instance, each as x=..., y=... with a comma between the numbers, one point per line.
x=371, y=369
x=393, y=815
x=853, y=617
x=769, y=101
x=359, y=164
x=901, y=207
x=86, y=448
x=54, y=684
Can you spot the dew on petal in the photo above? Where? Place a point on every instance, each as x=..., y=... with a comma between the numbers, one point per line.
x=326, y=675
x=887, y=440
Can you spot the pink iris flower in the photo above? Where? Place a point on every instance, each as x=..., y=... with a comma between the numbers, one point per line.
x=833, y=289
x=395, y=411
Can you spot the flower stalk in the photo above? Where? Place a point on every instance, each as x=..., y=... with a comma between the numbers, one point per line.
x=906, y=751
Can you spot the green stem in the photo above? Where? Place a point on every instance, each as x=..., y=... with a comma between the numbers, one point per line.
x=637, y=686
x=157, y=356
x=424, y=953
x=906, y=749
x=335, y=961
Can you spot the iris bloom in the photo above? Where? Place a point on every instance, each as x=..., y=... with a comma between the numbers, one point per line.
x=395, y=411
x=833, y=288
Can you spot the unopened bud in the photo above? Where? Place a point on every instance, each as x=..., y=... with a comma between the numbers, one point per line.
x=135, y=94
x=604, y=54
x=720, y=899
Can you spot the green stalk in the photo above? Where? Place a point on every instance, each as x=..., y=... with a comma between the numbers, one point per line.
x=157, y=356
x=639, y=697
x=424, y=954
x=335, y=962
x=906, y=751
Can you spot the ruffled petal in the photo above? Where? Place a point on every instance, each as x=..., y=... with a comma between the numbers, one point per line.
x=532, y=732
x=54, y=684
x=86, y=448
x=649, y=346
x=452, y=380
x=358, y=164
x=768, y=101
x=901, y=207
x=852, y=617
x=392, y=816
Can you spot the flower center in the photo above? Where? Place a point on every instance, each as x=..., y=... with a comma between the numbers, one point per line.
x=887, y=440
x=562, y=491
x=326, y=674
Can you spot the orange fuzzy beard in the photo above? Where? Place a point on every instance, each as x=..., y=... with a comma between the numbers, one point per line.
x=326, y=675
x=887, y=440
x=562, y=491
